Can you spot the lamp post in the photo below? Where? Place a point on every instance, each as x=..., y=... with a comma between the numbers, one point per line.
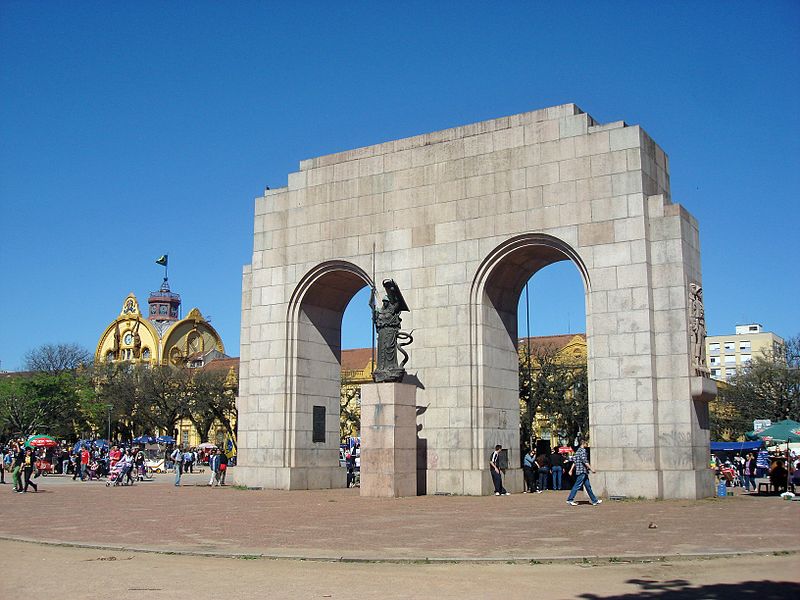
x=109, y=407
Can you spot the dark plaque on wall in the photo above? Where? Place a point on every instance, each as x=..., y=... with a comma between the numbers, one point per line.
x=319, y=425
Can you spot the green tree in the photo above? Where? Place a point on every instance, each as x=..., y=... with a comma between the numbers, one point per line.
x=209, y=399
x=769, y=388
x=554, y=386
x=55, y=404
x=349, y=407
x=161, y=396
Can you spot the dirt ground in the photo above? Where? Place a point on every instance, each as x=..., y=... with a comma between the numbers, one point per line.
x=41, y=571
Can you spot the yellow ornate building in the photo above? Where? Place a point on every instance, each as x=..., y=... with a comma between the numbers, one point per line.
x=163, y=337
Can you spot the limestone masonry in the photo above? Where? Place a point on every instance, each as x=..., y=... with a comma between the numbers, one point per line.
x=460, y=219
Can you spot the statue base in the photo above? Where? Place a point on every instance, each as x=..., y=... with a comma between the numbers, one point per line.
x=388, y=440
x=389, y=375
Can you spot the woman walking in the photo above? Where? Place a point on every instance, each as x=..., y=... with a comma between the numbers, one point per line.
x=28, y=464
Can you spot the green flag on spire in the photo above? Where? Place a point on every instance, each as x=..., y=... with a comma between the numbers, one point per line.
x=162, y=260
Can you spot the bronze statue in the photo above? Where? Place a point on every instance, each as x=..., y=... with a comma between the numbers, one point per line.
x=387, y=324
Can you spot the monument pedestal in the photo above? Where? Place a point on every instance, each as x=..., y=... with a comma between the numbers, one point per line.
x=388, y=440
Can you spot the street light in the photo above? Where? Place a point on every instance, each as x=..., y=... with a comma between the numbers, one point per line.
x=109, y=407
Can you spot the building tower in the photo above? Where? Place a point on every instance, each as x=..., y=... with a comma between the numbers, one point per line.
x=164, y=307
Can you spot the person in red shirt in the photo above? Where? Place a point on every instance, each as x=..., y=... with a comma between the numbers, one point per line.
x=84, y=462
x=114, y=455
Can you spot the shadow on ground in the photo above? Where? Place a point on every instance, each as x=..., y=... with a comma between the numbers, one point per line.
x=680, y=588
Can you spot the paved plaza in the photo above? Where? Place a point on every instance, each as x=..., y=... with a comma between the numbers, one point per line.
x=339, y=524
x=157, y=540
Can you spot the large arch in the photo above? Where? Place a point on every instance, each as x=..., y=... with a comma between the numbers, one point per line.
x=459, y=218
x=494, y=296
x=312, y=376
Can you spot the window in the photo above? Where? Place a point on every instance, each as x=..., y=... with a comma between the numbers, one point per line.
x=715, y=373
x=744, y=345
x=184, y=437
x=746, y=358
x=714, y=348
x=730, y=346
x=146, y=354
x=714, y=360
x=730, y=359
x=730, y=372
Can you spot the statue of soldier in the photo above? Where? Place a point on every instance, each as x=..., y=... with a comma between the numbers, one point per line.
x=697, y=327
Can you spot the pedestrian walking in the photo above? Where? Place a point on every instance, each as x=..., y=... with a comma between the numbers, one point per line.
x=28, y=464
x=497, y=464
x=581, y=467
x=213, y=465
x=5, y=461
x=177, y=458
x=223, y=466
x=16, y=466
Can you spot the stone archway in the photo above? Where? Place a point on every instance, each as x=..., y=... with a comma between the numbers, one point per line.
x=456, y=218
x=303, y=456
x=494, y=298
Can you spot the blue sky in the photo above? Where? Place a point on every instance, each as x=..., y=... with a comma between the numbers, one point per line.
x=128, y=130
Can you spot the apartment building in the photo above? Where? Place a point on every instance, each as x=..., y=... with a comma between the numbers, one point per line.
x=726, y=354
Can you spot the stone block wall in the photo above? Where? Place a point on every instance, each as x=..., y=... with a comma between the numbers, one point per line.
x=460, y=219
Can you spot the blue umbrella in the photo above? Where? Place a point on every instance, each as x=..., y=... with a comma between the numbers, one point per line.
x=165, y=439
x=101, y=443
x=144, y=439
x=81, y=444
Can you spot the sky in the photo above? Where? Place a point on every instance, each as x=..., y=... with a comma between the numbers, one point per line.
x=130, y=130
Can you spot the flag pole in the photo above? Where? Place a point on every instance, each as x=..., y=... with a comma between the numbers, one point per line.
x=372, y=303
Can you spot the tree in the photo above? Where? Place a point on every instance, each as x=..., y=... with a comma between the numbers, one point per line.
x=349, y=407
x=769, y=388
x=56, y=404
x=547, y=385
x=209, y=398
x=553, y=384
x=162, y=395
x=57, y=358
x=118, y=400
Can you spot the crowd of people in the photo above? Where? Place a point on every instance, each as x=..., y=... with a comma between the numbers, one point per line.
x=744, y=471
x=20, y=461
x=121, y=464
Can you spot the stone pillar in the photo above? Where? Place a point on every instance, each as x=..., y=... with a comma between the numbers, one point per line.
x=388, y=440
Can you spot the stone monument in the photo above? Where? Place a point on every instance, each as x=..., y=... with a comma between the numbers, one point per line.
x=463, y=218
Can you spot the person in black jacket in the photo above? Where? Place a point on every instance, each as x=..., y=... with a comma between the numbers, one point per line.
x=543, y=462
x=556, y=468
x=749, y=472
x=28, y=464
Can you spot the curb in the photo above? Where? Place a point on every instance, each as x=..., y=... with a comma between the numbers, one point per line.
x=532, y=560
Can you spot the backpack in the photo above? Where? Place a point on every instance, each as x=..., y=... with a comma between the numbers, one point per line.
x=502, y=459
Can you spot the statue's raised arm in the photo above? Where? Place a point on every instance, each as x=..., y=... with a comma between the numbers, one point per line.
x=387, y=324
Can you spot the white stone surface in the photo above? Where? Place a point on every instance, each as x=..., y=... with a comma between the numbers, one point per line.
x=460, y=218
